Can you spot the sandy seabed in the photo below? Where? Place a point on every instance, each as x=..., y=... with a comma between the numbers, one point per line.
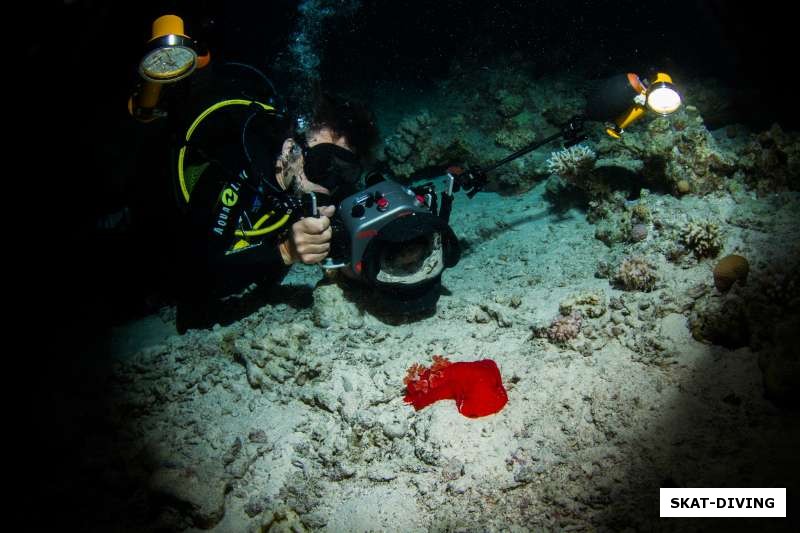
x=292, y=418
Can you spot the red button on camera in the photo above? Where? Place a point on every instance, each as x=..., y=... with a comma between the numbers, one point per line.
x=382, y=204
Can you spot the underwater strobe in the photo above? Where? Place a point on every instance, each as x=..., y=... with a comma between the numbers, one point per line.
x=625, y=98
x=169, y=57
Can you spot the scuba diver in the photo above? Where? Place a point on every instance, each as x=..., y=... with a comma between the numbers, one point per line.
x=251, y=190
x=238, y=165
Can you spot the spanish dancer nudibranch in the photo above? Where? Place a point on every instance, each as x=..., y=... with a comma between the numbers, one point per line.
x=476, y=386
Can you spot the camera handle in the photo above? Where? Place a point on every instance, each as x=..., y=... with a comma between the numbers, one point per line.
x=311, y=209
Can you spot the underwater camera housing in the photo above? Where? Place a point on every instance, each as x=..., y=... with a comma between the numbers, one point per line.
x=396, y=239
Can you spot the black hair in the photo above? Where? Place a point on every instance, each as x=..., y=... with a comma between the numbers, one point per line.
x=348, y=118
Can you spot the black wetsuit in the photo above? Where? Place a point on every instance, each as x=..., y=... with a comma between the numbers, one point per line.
x=230, y=140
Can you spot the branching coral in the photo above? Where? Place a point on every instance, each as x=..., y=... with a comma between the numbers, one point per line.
x=564, y=328
x=703, y=238
x=572, y=163
x=636, y=274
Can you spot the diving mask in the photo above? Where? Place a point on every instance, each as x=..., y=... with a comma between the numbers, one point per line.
x=335, y=168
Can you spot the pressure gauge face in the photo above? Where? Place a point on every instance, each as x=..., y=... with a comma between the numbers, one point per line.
x=168, y=63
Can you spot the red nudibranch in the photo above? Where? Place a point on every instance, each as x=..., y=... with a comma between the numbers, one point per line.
x=476, y=386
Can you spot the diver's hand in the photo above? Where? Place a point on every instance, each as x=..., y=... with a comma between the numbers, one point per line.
x=309, y=241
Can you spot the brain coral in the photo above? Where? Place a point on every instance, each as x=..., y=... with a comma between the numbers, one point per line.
x=729, y=270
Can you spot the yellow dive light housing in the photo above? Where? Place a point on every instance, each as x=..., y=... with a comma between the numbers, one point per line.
x=170, y=56
x=659, y=95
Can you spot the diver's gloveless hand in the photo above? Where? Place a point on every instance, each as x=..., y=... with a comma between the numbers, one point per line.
x=309, y=241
